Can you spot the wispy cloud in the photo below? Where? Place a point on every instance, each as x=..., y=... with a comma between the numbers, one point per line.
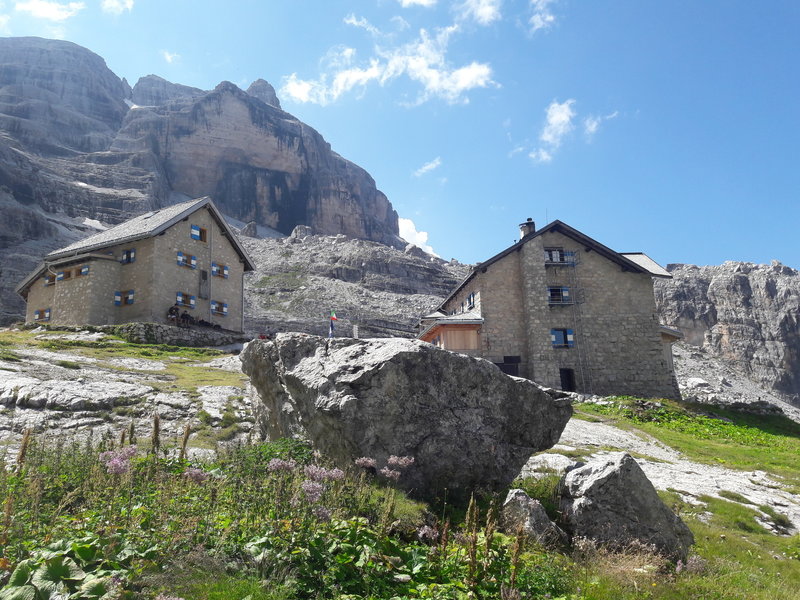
x=541, y=15
x=592, y=123
x=408, y=231
x=4, y=23
x=116, y=7
x=558, y=123
x=407, y=3
x=50, y=11
x=423, y=61
x=361, y=22
x=428, y=167
x=170, y=57
x=483, y=12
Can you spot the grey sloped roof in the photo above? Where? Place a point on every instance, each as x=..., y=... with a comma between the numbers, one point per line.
x=644, y=261
x=143, y=226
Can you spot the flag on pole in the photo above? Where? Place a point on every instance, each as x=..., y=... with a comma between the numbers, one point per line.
x=333, y=318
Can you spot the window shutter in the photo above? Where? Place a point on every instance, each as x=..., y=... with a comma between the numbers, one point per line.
x=553, y=337
x=225, y=309
x=225, y=271
x=178, y=298
x=214, y=269
x=129, y=297
x=192, y=301
x=60, y=276
x=180, y=258
x=46, y=314
x=117, y=298
x=85, y=270
x=132, y=255
x=36, y=315
x=565, y=293
x=193, y=262
x=570, y=338
x=195, y=233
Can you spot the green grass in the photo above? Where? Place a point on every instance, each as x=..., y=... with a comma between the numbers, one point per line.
x=288, y=281
x=736, y=440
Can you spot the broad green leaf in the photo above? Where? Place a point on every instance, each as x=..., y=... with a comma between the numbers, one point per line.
x=21, y=574
x=25, y=592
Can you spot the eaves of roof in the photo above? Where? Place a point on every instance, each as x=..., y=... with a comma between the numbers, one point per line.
x=558, y=226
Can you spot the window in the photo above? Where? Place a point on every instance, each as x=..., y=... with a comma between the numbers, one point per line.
x=82, y=272
x=125, y=297
x=184, y=299
x=567, y=377
x=43, y=314
x=558, y=295
x=218, y=270
x=128, y=256
x=562, y=338
x=187, y=260
x=198, y=233
x=558, y=256
x=219, y=308
x=49, y=279
x=62, y=275
x=471, y=301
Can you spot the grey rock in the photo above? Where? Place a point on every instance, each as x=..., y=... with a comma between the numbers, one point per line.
x=468, y=426
x=612, y=502
x=152, y=90
x=521, y=513
x=265, y=92
x=250, y=230
x=742, y=313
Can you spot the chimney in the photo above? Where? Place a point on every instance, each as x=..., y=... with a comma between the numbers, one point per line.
x=527, y=227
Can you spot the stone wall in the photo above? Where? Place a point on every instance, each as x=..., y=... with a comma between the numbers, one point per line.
x=157, y=333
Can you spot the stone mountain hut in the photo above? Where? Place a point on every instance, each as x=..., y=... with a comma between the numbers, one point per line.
x=185, y=254
x=563, y=310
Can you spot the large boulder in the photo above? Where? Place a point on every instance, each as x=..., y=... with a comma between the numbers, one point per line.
x=523, y=514
x=467, y=425
x=611, y=501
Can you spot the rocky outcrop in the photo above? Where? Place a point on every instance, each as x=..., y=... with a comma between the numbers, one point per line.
x=259, y=164
x=152, y=90
x=466, y=425
x=746, y=314
x=381, y=290
x=612, y=502
x=265, y=92
x=57, y=98
x=522, y=514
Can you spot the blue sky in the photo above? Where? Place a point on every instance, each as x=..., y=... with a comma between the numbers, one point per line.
x=669, y=127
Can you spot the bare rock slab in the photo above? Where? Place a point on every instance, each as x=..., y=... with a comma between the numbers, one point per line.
x=468, y=426
x=612, y=502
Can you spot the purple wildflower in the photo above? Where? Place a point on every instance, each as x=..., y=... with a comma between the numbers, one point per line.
x=313, y=490
x=390, y=474
x=322, y=513
x=196, y=475
x=426, y=533
x=400, y=462
x=366, y=463
x=118, y=461
x=317, y=473
x=278, y=464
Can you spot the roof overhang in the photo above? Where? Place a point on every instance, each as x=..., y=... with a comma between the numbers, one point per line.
x=672, y=334
x=434, y=328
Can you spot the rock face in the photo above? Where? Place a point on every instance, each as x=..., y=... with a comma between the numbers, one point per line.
x=78, y=142
x=746, y=314
x=467, y=425
x=612, y=502
x=298, y=280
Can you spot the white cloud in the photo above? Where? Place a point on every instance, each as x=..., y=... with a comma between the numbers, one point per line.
x=400, y=23
x=424, y=61
x=558, y=124
x=408, y=231
x=116, y=7
x=407, y=3
x=429, y=166
x=51, y=11
x=541, y=17
x=170, y=57
x=591, y=124
x=362, y=22
x=4, y=23
x=483, y=12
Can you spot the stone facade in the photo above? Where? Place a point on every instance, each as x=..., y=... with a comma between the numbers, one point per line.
x=567, y=312
x=190, y=259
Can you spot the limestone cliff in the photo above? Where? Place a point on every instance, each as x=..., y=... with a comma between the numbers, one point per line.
x=746, y=314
